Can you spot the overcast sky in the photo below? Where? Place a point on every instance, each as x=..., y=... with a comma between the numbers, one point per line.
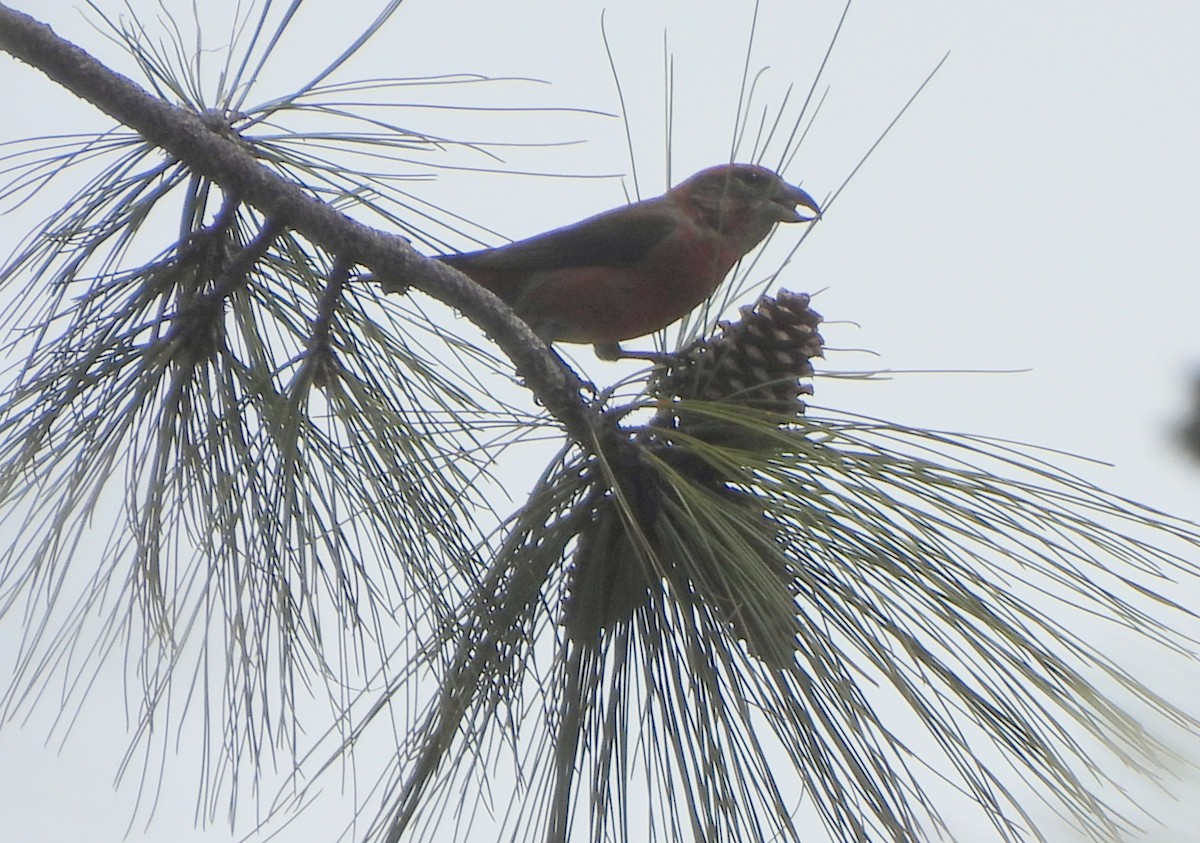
x=1036, y=209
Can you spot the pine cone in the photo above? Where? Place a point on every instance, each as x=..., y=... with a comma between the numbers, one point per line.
x=756, y=362
x=610, y=576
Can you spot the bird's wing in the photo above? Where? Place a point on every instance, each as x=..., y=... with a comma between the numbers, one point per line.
x=620, y=237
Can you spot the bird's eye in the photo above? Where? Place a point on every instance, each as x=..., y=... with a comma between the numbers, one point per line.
x=752, y=177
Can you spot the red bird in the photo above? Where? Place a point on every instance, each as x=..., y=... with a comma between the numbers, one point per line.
x=633, y=270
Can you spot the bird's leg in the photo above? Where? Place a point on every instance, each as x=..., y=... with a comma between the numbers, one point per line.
x=613, y=351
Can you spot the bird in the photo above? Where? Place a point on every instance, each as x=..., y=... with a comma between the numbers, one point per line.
x=632, y=270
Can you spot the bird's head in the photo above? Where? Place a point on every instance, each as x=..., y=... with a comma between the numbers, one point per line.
x=743, y=201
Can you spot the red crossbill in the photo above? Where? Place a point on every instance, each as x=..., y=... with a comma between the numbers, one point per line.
x=633, y=270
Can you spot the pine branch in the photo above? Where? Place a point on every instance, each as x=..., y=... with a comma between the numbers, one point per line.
x=207, y=145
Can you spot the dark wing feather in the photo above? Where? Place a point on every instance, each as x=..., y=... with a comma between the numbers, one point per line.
x=620, y=237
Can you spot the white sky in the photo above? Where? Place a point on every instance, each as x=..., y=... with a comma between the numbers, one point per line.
x=1037, y=208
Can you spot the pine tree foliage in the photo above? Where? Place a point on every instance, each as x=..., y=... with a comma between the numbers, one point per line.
x=720, y=613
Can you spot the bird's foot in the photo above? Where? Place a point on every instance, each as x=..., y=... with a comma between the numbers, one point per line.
x=613, y=351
